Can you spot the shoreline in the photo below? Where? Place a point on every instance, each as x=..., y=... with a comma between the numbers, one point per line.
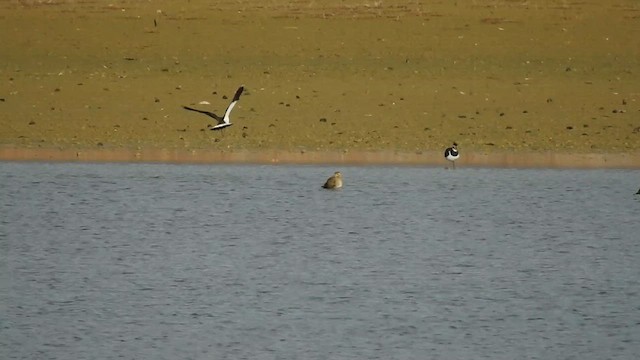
x=548, y=160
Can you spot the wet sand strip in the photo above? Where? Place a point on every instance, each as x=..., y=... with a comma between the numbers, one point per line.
x=430, y=158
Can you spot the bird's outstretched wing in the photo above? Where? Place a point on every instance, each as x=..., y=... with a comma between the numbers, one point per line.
x=208, y=113
x=236, y=97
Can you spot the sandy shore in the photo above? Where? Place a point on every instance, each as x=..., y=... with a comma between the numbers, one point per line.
x=428, y=158
x=515, y=83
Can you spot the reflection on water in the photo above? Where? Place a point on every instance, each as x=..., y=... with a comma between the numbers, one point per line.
x=252, y=262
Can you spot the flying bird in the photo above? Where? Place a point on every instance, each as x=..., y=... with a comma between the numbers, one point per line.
x=225, y=120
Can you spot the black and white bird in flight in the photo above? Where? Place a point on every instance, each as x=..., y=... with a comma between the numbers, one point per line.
x=225, y=120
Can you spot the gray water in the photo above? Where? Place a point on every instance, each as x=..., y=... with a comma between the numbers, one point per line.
x=114, y=261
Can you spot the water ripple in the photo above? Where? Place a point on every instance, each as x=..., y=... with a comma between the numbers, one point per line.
x=244, y=262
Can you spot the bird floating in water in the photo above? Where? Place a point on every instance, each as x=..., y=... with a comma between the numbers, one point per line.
x=225, y=120
x=452, y=154
x=334, y=182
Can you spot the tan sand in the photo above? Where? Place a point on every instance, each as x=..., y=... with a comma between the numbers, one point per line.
x=515, y=83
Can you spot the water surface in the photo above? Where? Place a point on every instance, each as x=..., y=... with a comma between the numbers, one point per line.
x=137, y=261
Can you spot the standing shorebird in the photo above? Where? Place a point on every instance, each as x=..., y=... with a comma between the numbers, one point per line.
x=334, y=182
x=452, y=154
x=225, y=120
